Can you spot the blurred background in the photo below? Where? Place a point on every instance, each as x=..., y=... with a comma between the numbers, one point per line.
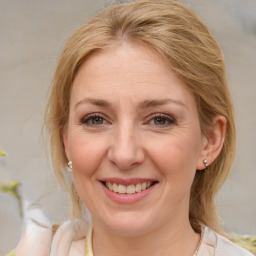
x=33, y=33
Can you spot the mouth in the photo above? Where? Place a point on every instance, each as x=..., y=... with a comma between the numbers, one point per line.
x=130, y=189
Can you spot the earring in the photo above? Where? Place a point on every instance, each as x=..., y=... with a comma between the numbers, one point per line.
x=205, y=163
x=70, y=164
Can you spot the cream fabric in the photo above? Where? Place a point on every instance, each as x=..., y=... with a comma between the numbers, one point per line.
x=37, y=232
x=70, y=239
x=37, y=240
x=214, y=244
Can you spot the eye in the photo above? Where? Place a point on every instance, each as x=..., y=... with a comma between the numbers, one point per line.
x=94, y=120
x=161, y=120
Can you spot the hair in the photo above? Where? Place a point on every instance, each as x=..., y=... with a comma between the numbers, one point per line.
x=178, y=36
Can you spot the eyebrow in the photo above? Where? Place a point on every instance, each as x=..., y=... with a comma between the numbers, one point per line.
x=160, y=102
x=96, y=102
x=144, y=104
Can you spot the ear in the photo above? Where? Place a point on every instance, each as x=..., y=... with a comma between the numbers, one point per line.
x=212, y=142
x=66, y=146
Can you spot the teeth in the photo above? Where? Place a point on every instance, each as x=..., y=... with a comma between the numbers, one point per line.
x=115, y=187
x=131, y=189
x=109, y=185
x=138, y=187
x=122, y=189
x=143, y=186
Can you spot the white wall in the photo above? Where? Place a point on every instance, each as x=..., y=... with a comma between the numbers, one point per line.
x=32, y=35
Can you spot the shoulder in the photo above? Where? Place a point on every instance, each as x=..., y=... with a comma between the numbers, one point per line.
x=69, y=239
x=213, y=244
x=226, y=247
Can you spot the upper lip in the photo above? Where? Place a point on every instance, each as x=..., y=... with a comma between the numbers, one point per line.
x=127, y=182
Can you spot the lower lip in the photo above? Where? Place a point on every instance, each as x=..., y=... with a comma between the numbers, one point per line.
x=127, y=198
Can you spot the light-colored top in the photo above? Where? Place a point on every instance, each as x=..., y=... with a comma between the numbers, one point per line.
x=211, y=244
x=68, y=242
x=214, y=244
x=88, y=243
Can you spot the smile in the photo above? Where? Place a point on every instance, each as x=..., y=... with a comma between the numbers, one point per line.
x=130, y=189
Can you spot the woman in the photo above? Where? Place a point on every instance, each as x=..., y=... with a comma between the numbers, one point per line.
x=140, y=111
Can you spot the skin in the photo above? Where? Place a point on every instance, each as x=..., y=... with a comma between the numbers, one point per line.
x=130, y=117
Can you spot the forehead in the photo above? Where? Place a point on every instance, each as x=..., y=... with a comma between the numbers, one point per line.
x=127, y=71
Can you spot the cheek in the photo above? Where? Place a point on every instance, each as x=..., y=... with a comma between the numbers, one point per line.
x=177, y=166
x=86, y=154
x=176, y=159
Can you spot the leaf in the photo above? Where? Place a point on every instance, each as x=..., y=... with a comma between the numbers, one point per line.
x=2, y=153
x=248, y=242
x=12, y=189
x=4, y=188
x=14, y=184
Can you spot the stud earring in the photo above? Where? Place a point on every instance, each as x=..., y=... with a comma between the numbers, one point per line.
x=70, y=164
x=205, y=163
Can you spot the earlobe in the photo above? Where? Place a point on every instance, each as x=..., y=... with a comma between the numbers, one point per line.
x=212, y=143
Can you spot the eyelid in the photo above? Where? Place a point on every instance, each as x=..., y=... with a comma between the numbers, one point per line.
x=84, y=120
x=169, y=118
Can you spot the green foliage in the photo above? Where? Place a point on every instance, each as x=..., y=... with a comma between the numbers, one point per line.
x=2, y=153
x=12, y=188
x=245, y=241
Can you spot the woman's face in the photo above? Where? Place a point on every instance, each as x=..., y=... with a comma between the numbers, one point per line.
x=134, y=139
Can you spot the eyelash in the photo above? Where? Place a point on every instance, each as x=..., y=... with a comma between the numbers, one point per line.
x=89, y=118
x=85, y=120
x=166, y=118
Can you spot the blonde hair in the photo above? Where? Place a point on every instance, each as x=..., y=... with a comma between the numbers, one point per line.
x=180, y=38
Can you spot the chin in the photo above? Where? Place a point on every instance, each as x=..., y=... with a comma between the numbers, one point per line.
x=129, y=225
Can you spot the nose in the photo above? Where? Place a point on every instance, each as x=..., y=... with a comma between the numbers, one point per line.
x=126, y=151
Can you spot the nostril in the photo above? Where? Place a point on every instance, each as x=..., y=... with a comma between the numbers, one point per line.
x=126, y=157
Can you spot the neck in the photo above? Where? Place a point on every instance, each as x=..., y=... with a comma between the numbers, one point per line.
x=168, y=240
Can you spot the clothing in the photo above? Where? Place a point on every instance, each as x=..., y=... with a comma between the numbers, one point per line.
x=214, y=244
x=66, y=242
